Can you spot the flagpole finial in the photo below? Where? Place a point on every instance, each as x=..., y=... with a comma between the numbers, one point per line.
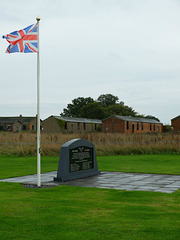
x=38, y=19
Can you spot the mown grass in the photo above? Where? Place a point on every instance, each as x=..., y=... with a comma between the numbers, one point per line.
x=159, y=164
x=163, y=164
x=75, y=213
x=14, y=166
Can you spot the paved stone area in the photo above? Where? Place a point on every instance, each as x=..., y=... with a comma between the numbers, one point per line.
x=111, y=180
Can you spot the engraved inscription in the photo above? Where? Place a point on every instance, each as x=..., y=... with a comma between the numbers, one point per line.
x=80, y=158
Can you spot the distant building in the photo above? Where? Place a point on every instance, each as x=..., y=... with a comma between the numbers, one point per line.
x=175, y=123
x=17, y=124
x=58, y=124
x=127, y=124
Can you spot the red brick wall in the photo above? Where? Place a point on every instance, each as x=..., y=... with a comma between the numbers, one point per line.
x=143, y=127
x=112, y=125
x=176, y=124
x=107, y=125
x=119, y=125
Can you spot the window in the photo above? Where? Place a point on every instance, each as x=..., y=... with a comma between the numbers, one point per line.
x=78, y=126
x=127, y=125
x=133, y=128
x=150, y=127
x=65, y=125
x=24, y=127
x=9, y=127
x=72, y=128
x=84, y=126
x=142, y=127
x=32, y=127
x=154, y=127
x=95, y=127
x=137, y=126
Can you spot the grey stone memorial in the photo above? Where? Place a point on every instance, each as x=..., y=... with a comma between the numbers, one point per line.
x=77, y=160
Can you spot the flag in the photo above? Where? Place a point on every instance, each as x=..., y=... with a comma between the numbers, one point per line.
x=24, y=40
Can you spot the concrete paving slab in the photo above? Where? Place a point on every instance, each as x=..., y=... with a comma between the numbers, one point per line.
x=111, y=180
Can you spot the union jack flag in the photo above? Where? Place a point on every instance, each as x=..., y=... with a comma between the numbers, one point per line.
x=24, y=40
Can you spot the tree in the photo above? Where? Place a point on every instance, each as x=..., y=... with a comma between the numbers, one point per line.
x=105, y=106
x=93, y=110
x=107, y=100
x=152, y=117
x=120, y=109
x=74, y=109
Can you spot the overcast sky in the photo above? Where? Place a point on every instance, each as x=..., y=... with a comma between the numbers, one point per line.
x=129, y=48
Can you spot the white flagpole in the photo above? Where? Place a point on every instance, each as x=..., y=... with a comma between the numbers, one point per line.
x=38, y=113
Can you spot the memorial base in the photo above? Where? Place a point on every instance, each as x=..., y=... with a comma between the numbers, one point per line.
x=73, y=177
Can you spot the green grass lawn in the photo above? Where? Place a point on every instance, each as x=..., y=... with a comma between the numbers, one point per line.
x=21, y=166
x=87, y=213
x=162, y=164
x=75, y=213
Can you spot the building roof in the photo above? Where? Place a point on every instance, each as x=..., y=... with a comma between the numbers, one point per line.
x=20, y=119
x=175, y=118
x=134, y=119
x=80, y=120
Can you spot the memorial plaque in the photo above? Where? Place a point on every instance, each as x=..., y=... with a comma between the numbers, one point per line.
x=77, y=160
x=80, y=158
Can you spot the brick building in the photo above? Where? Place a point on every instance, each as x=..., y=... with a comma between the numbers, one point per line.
x=175, y=124
x=58, y=124
x=127, y=124
x=17, y=124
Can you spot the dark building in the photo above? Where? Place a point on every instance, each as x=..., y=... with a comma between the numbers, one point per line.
x=17, y=124
x=58, y=124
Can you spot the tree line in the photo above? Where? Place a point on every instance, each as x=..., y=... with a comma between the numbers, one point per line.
x=104, y=106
